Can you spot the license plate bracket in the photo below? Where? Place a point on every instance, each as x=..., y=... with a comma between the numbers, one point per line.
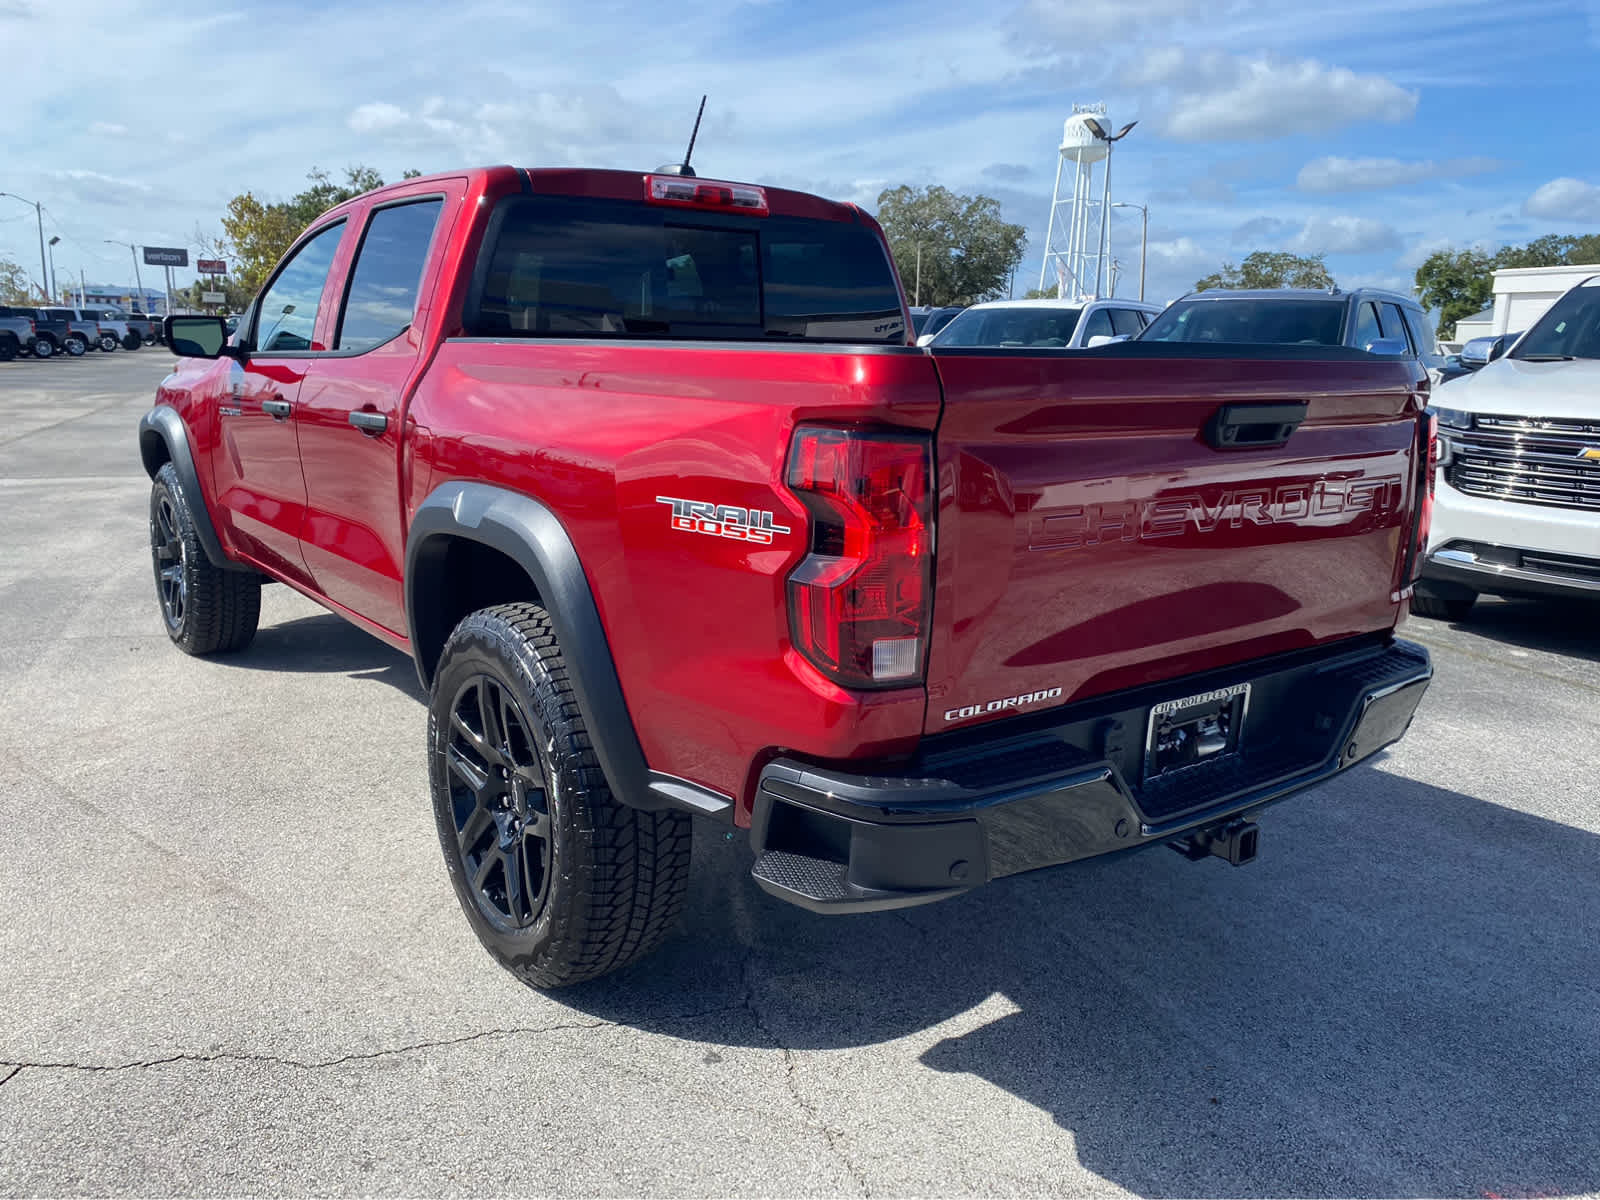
x=1196, y=729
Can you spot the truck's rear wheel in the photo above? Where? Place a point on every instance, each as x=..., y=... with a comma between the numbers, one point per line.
x=206, y=609
x=1443, y=601
x=560, y=881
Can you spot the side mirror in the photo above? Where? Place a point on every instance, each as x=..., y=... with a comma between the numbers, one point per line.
x=925, y=339
x=1388, y=347
x=197, y=337
x=1105, y=339
x=1476, y=352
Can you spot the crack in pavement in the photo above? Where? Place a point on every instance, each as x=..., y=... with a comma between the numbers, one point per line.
x=240, y=1056
x=284, y=1061
x=833, y=1136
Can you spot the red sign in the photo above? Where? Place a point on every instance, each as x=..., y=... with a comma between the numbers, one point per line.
x=210, y=266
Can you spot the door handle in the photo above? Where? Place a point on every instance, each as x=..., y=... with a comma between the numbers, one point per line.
x=369, y=422
x=276, y=408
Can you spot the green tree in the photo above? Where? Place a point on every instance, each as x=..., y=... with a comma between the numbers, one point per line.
x=1270, y=269
x=967, y=252
x=1039, y=294
x=1457, y=283
x=15, y=286
x=259, y=233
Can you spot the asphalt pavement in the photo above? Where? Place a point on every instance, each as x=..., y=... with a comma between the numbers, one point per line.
x=230, y=961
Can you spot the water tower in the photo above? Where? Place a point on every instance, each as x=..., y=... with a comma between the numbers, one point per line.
x=1074, y=240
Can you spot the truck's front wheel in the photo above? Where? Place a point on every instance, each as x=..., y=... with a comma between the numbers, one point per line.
x=205, y=608
x=560, y=881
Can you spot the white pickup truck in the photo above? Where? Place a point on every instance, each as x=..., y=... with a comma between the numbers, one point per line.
x=1517, y=506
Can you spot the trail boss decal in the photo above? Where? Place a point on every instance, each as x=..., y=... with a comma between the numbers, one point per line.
x=723, y=520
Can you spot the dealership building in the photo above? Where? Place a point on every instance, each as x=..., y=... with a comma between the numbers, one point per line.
x=123, y=295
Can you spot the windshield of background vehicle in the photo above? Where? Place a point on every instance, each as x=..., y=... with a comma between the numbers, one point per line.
x=1047, y=328
x=1571, y=329
x=1256, y=320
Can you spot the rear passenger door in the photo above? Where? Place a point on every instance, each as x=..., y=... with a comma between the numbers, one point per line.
x=1096, y=324
x=1128, y=322
x=354, y=440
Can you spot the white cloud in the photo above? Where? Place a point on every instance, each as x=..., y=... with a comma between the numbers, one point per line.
x=1215, y=97
x=1346, y=235
x=1332, y=174
x=378, y=118
x=1259, y=231
x=1565, y=199
x=107, y=129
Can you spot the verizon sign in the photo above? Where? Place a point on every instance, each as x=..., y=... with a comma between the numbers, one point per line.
x=165, y=256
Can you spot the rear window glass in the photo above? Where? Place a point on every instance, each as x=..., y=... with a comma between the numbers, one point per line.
x=1252, y=321
x=1041, y=328
x=568, y=267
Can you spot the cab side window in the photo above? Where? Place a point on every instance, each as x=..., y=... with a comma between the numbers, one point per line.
x=387, y=275
x=1394, y=326
x=287, y=310
x=1367, y=328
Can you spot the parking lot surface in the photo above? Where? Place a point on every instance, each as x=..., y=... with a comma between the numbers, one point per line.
x=231, y=961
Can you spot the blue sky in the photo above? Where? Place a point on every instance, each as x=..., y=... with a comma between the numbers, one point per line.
x=1372, y=131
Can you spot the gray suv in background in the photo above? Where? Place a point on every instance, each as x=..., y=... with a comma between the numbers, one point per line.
x=1371, y=319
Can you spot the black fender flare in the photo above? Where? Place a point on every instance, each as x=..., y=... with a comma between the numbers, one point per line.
x=162, y=426
x=527, y=532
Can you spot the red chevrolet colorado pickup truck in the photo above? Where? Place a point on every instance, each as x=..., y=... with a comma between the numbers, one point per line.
x=645, y=473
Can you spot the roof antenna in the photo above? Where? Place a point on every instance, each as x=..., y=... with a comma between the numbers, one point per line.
x=684, y=168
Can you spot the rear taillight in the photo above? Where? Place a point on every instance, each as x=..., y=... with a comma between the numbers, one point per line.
x=1427, y=471
x=685, y=191
x=859, y=602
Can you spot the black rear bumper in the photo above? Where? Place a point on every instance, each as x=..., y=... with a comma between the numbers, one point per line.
x=1062, y=786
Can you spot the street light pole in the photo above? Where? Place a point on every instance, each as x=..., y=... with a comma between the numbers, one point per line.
x=1103, y=251
x=1144, y=236
x=38, y=212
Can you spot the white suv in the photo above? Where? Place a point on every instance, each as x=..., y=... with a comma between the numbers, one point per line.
x=1517, y=506
x=1045, y=324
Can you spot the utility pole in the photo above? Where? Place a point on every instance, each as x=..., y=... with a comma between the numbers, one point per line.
x=38, y=213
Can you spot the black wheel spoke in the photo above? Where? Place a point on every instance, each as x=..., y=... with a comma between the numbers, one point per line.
x=474, y=776
x=539, y=826
x=477, y=825
x=473, y=737
x=489, y=713
x=515, y=860
x=486, y=867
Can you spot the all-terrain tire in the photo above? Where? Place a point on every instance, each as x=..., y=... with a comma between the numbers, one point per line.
x=205, y=608
x=605, y=883
x=1443, y=601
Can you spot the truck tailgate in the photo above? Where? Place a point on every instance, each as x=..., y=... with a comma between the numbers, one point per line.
x=1091, y=537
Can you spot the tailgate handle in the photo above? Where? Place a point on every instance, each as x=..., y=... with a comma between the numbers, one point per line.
x=1253, y=426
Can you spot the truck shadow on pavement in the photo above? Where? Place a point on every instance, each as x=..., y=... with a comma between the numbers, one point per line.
x=1401, y=997
x=1569, y=628
x=328, y=644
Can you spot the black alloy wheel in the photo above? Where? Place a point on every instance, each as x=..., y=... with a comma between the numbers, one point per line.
x=170, y=557
x=500, y=802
